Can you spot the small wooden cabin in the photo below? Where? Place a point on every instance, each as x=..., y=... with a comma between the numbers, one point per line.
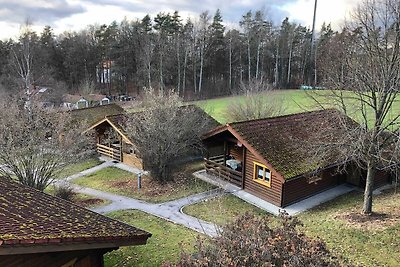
x=37, y=229
x=272, y=158
x=113, y=142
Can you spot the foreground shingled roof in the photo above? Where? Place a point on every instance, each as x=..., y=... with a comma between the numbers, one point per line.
x=286, y=142
x=29, y=217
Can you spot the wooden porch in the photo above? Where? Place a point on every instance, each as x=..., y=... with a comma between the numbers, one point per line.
x=217, y=166
x=113, y=151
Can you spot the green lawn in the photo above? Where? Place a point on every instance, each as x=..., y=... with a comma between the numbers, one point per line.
x=222, y=210
x=80, y=199
x=293, y=101
x=78, y=167
x=164, y=245
x=367, y=244
x=121, y=182
x=370, y=243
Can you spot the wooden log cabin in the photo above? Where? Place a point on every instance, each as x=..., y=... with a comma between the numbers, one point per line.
x=273, y=158
x=113, y=142
x=37, y=229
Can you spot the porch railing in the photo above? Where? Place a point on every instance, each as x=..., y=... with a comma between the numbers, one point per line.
x=215, y=166
x=110, y=152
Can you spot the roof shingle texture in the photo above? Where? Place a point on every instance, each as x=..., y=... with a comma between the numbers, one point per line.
x=28, y=217
x=92, y=115
x=287, y=142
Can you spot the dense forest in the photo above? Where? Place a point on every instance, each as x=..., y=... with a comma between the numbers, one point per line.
x=197, y=57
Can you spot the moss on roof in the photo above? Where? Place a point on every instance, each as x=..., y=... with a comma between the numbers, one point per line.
x=94, y=114
x=119, y=119
x=288, y=142
x=28, y=216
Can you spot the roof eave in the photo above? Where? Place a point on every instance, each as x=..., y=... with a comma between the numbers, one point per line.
x=15, y=249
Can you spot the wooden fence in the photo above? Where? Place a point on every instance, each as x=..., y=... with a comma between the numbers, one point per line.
x=110, y=152
x=214, y=166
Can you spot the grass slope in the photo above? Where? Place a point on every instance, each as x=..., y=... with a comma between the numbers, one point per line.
x=165, y=244
x=124, y=183
x=78, y=167
x=80, y=199
x=366, y=244
x=374, y=242
x=293, y=101
x=221, y=210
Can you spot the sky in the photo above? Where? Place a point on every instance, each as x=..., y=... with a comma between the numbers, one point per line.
x=74, y=15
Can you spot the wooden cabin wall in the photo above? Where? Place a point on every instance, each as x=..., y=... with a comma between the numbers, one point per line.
x=357, y=177
x=300, y=188
x=236, y=152
x=381, y=178
x=132, y=160
x=92, y=258
x=271, y=194
x=215, y=149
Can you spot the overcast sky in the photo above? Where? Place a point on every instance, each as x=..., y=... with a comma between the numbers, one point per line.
x=64, y=15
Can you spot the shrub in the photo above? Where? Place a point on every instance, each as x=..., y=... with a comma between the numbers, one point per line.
x=65, y=191
x=250, y=241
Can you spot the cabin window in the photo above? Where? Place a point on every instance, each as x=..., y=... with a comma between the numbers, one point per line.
x=262, y=174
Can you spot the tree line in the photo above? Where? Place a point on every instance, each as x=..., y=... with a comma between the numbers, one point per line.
x=196, y=57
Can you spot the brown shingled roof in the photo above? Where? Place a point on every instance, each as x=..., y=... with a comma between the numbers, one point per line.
x=119, y=119
x=29, y=217
x=286, y=142
x=94, y=114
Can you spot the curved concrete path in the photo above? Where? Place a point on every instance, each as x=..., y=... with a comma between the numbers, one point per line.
x=171, y=210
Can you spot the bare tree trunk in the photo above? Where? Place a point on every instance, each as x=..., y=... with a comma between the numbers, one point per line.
x=230, y=64
x=248, y=56
x=184, y=72
x=258, y=59
x=161, y=72
x=149, y=73
x=179, y=65
x=276, y=75
x=201, y=67
x=241, y=68
x=289, y=63
x=369, y=187
x=194, y=72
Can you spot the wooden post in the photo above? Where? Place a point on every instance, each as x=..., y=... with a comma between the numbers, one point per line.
x=121, y=157
x=225, y=150
x=243, y=165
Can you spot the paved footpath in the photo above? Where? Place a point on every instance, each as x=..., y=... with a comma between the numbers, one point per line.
x=171, y=210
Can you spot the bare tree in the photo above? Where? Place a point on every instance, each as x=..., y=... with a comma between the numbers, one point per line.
x=258, y=101
x=165, y=131
x=203, y=29
x=22, y=57
x=371, y=67
x=36, y=144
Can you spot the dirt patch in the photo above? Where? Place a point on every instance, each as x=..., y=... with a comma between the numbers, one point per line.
x=90, y=202
x=122, y=184
x=386, y=214
x=152, y=188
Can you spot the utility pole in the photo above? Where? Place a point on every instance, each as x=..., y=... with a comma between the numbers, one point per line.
x=313, y=47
